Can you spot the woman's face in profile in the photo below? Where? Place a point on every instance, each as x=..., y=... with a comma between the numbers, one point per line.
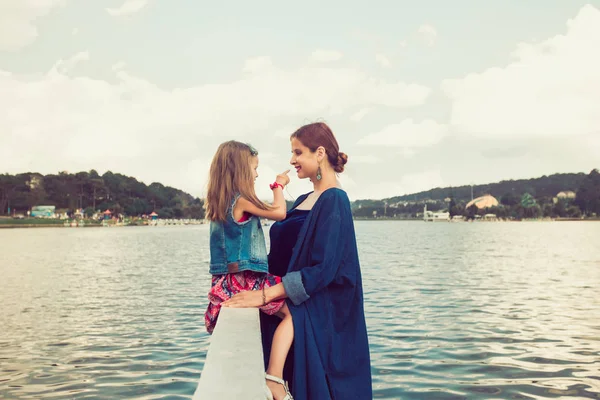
x=304, y=160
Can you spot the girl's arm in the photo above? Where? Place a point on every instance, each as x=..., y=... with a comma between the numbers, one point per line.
x=278, y=210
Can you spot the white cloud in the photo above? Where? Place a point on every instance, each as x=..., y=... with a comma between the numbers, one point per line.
x=408, y=134
x=285, y=132
x=66, y=66
x=551, y=88
x=394, y=95
x=326, y=55
x=17, y=17
x=410, y=183
x=257, y=64
x=407, y=152
x=383, y=61
x=428, y=33
x=129, y=7
x=74, y=31
x=118, y=66
x=345, y=181
x=359, y=115
x=413, y=183
x=365, y=159
x=594, y=142
x=79, y=123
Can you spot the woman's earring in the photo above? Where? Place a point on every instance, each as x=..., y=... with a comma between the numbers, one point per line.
x=319, y=176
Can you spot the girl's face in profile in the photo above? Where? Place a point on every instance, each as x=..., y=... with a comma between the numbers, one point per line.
x=254, y=166
x=304, y=160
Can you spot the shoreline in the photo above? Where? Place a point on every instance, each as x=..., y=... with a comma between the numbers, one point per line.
x=15, y=226
x=29, y=226
x=481, y=220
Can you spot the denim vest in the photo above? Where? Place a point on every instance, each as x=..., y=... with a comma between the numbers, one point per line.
x=237, y=246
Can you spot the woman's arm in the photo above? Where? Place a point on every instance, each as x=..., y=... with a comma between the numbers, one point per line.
x=276, y=292
x=327, y=253
x=254, y=298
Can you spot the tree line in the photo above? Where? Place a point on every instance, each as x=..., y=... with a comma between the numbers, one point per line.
x=91, y=192
x=525, y=198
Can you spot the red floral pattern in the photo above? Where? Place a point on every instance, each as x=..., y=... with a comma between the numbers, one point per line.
x=225, y=286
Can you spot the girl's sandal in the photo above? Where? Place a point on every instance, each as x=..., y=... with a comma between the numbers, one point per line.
x=288, y=395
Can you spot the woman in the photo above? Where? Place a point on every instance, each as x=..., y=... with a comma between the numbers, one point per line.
x=315, y=251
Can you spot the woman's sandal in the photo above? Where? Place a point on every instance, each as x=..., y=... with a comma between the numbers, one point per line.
x=288, y=395
x=268, y=394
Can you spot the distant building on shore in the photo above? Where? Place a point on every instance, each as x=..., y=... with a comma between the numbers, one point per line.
x=433, y=216
x=43, y=211
x=483, y=202
x=565, y=195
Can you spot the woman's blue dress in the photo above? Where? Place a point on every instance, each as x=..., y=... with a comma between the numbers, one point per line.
x=283, y=236
x=315, y=252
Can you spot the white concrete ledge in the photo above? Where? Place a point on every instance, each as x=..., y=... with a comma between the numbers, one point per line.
x=234, y=367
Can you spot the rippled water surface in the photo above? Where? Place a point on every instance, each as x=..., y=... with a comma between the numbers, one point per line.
x=455, y=311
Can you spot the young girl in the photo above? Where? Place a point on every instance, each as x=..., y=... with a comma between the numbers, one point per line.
x=238, y=252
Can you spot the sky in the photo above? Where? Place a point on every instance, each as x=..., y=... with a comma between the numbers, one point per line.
x=419, y=94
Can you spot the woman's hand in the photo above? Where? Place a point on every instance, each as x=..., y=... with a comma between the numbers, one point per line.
x=247, y=299
x=283, y=178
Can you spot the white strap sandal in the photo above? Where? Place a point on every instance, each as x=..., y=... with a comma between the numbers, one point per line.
x=268, y=394
x=288, y=395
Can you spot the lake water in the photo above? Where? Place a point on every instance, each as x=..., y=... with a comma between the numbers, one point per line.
x=454, y=311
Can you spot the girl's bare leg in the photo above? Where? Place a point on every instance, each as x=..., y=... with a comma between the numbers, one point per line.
x=282, y=342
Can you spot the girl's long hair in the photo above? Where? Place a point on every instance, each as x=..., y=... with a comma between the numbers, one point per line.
x=230, y=174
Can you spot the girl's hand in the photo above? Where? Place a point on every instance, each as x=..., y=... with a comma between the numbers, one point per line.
x=247, y=299
x=283, y=178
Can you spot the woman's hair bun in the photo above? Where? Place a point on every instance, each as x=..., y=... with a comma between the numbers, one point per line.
x=342, y=159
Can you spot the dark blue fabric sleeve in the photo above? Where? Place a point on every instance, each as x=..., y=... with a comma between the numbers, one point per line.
x=294, y=288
